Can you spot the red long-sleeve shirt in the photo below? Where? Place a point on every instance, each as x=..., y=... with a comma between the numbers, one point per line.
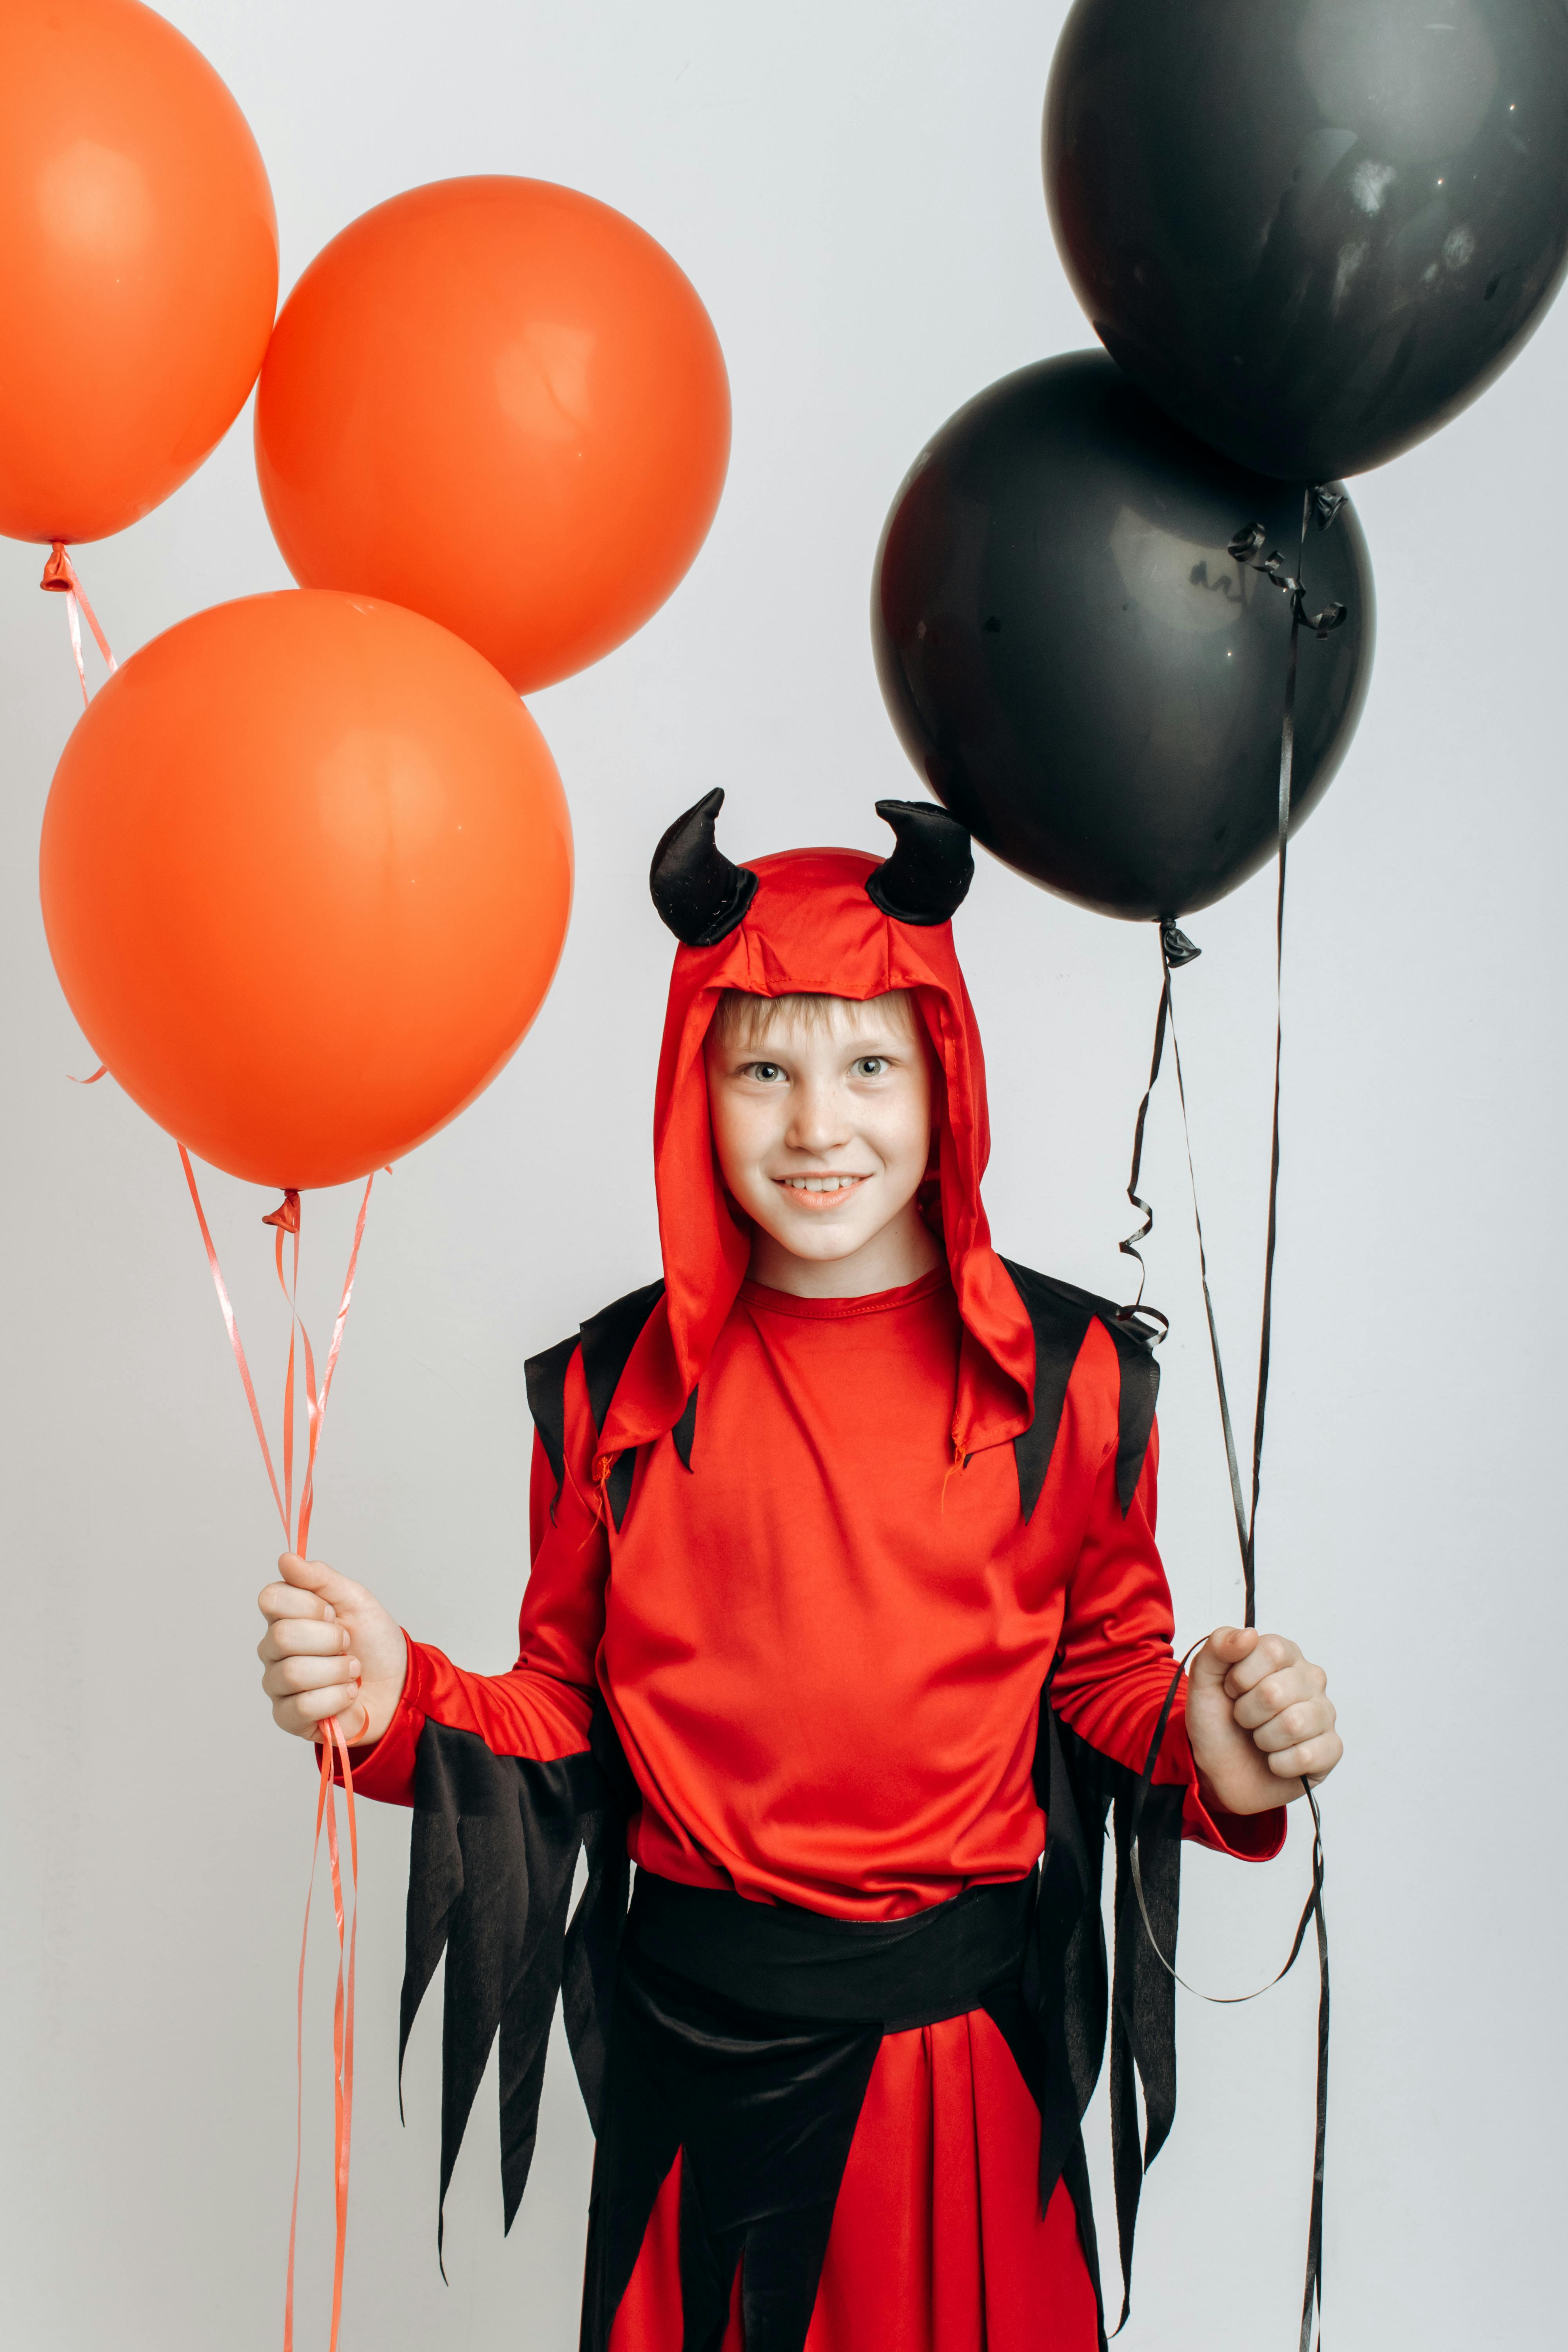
x=824, y=1643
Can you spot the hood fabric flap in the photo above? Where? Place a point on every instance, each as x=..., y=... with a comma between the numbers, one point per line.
x=810, y=929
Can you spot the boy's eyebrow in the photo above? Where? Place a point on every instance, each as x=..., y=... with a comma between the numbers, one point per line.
x=884, y=1047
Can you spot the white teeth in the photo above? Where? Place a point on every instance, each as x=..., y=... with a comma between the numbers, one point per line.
x=820, y=1183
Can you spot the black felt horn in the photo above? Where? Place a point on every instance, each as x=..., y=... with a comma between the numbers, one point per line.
x=928, y=876
x=699, y=894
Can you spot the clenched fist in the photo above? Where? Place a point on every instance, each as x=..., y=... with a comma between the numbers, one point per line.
x=1259, y=1718
x=330, y=1648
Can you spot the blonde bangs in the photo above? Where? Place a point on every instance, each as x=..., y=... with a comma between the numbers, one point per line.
x=744, y=1021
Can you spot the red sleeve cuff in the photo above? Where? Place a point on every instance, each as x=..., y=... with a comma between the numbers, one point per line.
x=385, y=1771
x=1251, y=1837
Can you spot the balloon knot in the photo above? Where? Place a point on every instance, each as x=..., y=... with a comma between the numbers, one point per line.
x=1175, y=946
x=285, y=1215
x=59, y=571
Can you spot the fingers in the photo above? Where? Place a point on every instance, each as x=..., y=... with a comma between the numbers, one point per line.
x=1277, y=1699
x=276, y=1601
x=294, y=1677
x=305, y=1714
x=303, y=1637
x=315, y=1578
x=1308, y=1719
x=1226, y=1645
x=1289, y=1686
x=1311, y=1759
x=1267, y=1654
x=1282, y=1699
x=309, y=1589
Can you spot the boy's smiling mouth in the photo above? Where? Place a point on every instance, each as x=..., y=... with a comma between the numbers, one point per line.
x=819, y=1193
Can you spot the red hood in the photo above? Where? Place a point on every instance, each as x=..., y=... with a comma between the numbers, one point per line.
x=811, y=929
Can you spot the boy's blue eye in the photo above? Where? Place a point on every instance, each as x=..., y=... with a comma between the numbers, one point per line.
x=871, y=1065
x=766, y=1070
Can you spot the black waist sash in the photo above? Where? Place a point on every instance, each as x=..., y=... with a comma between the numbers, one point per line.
x=744, y=2036
x=788, y=1962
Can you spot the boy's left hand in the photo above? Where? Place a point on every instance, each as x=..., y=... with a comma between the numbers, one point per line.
x=1258, y=1718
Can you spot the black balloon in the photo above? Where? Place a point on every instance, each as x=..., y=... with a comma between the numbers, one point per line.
x=1079, y=666
x=1312, y=230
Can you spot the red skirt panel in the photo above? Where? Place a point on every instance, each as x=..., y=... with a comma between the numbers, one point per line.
x=937, y=2245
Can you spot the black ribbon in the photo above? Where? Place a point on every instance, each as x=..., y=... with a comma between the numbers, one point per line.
x=1319, y=504
x=1322, y=505
x=1311, y=1913
x=1175, y=950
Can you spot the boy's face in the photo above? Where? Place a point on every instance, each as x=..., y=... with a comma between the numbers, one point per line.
x=823, y=1124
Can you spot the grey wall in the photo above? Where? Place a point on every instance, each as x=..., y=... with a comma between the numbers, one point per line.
x=855, y=195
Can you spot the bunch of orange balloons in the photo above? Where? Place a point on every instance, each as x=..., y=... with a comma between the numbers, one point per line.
x=307, y=864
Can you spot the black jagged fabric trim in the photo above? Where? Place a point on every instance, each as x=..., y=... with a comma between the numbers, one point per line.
x=1135, y=1413
x=639, y=2142
x=1074, y=2175
x=685, y=1430
x=1060, y=1314
x=1080, y=1790
x=545, y=1375
x=1016, y=2020
x=745, y=2033
x=618, y=1484
x=1067, y=1980
x=1143, y=2001
x=591, y=1949
x=609, y=1339
x=1060, y=1324
x=495, y=1844
x=764, y=2109
x=593, y=1938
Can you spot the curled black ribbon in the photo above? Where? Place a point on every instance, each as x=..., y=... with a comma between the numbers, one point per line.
x=1175, y=950
x=1319, y=504
x=1322, y=505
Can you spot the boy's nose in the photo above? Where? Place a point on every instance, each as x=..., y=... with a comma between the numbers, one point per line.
x=819, y=1123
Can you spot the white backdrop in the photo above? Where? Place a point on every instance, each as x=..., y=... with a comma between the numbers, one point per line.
x=855, y=192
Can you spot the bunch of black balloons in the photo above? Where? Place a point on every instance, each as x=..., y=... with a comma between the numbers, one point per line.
x=1306, y=233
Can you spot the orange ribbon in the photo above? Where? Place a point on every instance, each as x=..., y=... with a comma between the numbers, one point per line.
x=342, y=2024
x=60, y=576
x=285, y=1222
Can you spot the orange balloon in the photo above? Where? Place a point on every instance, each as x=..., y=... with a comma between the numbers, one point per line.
x=306, y=871
x=138, y=264
x=501, y=404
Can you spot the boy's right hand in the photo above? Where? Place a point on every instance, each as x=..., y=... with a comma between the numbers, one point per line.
x=330, y=1648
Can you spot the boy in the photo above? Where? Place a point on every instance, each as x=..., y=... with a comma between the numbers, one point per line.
x=844, y=1603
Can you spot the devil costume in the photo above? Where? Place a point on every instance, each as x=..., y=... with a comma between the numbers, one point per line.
x=845, y=1624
